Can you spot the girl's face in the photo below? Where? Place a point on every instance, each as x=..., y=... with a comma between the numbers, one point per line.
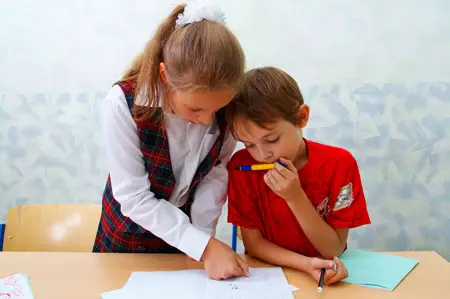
x=199, y=106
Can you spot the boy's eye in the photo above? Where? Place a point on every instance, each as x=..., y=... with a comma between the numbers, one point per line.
x=274, y=140
x=196, y=109
x=249, y=145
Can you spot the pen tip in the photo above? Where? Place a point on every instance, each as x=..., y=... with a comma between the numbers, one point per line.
x=319, y=289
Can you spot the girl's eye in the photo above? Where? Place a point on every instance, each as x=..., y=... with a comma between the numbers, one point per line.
x=274, y=140
x=195, y=109
x=249, y=145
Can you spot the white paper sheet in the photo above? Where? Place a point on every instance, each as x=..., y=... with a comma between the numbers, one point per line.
x=263, y=283
x=16, y=286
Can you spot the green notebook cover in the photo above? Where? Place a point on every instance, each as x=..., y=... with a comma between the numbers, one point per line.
x=375, y=269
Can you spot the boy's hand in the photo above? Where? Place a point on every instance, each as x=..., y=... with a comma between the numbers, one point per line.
x=284, y=181
x=331, y=275
x=190, y=258
x=221, y=262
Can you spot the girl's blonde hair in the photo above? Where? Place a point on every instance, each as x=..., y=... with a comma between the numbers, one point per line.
x=201, y=55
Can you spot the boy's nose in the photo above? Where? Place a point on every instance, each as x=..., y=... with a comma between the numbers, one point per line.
x=265, y=155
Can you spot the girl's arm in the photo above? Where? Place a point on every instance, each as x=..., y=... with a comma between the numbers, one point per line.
x=131, y=186
x=211, y=192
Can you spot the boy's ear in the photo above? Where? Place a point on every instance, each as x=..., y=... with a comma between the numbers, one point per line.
x=303, y=116
x=162, y=72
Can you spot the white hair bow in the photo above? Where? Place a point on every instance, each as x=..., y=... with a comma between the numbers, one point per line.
x=195, y=11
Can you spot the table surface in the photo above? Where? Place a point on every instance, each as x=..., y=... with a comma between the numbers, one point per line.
x=87, y=275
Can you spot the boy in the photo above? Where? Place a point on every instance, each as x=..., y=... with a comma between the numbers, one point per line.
x=303, y=208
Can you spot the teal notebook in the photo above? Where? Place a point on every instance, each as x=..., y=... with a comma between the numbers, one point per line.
x=374, y=269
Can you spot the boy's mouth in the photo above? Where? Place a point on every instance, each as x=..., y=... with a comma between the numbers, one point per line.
x=270, y=162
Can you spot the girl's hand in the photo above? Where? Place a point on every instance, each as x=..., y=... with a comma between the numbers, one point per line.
x=284, y=181
x=221, y=262
x=331, y=275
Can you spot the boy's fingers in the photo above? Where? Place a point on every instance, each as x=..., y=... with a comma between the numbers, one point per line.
x=333, y=279
x=340, y=267
x=338, y=262
x=320, y=263
x=289, y=165
x=329, y=274
x=269, y=182
x=277, y=177
x=341, y=272
x=271, y=176
x=286, y=173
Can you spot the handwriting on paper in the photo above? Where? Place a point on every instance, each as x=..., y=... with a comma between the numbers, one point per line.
x=15, y=287
x=261, y=284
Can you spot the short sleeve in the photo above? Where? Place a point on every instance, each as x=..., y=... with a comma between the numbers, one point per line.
x=348, y=207
x=242, y=210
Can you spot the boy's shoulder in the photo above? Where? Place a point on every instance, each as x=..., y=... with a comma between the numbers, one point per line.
x=330, y=152
x=241, y=157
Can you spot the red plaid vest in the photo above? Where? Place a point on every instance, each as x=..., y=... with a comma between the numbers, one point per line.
x=117, y=233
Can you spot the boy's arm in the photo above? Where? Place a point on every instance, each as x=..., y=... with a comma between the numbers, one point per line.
x=347, y=205
x=260, y=248
x=328, y=241
x=347, y=209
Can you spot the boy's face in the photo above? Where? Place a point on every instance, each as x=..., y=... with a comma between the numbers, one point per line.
x=280, y=139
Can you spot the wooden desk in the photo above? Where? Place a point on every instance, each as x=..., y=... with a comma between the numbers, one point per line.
x=87, y=275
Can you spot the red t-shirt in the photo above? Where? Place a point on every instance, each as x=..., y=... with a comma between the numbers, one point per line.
x=331, y=181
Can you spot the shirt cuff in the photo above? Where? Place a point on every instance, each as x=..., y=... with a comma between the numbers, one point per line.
x=193, y=242
x=208, y=230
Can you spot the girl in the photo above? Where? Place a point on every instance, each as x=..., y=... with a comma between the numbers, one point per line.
x=167, y=143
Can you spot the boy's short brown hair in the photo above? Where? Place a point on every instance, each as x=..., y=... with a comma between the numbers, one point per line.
x=267, y=96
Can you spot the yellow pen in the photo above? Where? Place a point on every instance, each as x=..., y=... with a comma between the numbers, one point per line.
x=257, y=167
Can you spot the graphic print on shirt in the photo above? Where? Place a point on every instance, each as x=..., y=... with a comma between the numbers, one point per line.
x=323, y=209
x=344, y=198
